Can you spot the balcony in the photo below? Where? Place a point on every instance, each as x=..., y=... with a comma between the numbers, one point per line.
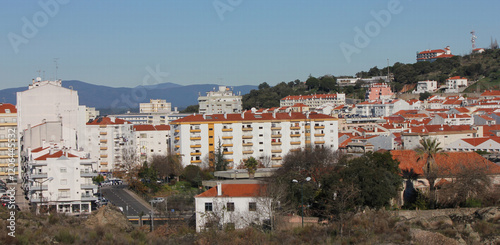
x=294, y=135
x=319, y=142
x=103, y=133
x=196, y=138
x=319, y=127
x=227, y=130
x=276, y=158
x=195, y=153
x=248, y=144
x=294, y=128
x=88, y=186
x=275, y=128
x=227, y=137
x=37, y=187
x=295, y=143
x=247, y=136
x=39, y=175
x=247, y=129
x=248, y=152
x=88, y=173
x=275, y=143
x=227, y=153
x=276, y=151
x=177, y=146
x=227, y=145
x=177, y=131
x=319, y=135
x=103, y=148
x=88, y=198
x=177, y=138
x=104, y=163
x=103, y=156
x=196, y=161
x=192, y=146
x=103, y=141
x=195, y=130
x=276, y=136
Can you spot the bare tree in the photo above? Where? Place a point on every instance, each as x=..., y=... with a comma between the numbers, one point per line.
x=167, y=165
x=130, y=162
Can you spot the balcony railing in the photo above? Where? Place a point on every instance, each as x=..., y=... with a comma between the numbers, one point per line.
x=88, y=186
x=39, y=175
x=88, y=173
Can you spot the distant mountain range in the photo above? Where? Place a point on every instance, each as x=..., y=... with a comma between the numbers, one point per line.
x=117, y=100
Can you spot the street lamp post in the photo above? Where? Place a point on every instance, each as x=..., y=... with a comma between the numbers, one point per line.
x=302, y=196
x=41, y=190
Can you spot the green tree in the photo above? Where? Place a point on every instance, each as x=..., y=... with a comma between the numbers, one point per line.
x=376, y=176
x=193, y=174
x=167, y=165
x=428, y=150
x=191, y=109
x=423, y=96
x=219, y=161
x=251, y=164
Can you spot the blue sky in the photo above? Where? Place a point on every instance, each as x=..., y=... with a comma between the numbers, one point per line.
x=122, y=43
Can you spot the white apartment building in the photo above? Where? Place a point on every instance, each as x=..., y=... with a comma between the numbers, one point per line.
x=426, y=86
x=153, y=118
x=381, y=108
x=221, y=101
x=91, y=113
x=156, y=106
x=110, y=139
x=48, y=101
x=59, y=180
x=152, y=140
x=267, y=137
x=232, y=206
x=455, y=84
x=444, y=134
x=451, y=119
x=313, y=100
x=8, y=140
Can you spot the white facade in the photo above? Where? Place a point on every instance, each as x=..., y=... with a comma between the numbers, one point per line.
x=155, y=106
x=426, y=86
x=381, y=109
x=152, y=140
x=455, y=84
x=8, y=140
x=451, y=119
x=109, y=138
x=59, y=179
x=233, y=209
x=91, y=113
x=313, y=100
x=267, y=137
x=47, y=101
x=221, y=101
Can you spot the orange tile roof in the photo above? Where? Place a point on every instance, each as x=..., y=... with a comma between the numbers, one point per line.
x=462, y=109
x=456, y=77
x=488, y=130
x=448, y=163
x=476, y=141
x=491, y=93
x=236, y=190
x=251, y=117
x=107, y=121
x=310, y=97
x=53, y=155
x=148, y=127
x=5, y=106
x=432, y=51
x=39, y=149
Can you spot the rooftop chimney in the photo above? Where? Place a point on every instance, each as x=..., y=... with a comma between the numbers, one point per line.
x=219, y=189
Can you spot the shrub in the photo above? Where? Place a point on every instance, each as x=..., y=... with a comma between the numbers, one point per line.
x=473, y=203
x=65, y=236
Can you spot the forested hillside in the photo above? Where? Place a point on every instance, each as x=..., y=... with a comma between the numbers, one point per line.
x=484, y=68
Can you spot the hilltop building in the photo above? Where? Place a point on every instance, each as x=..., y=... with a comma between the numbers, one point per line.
x=426, y=86
x=220, y=101
x=152, y=140
x=456, y=84
x=379, y=91
x=156, y=106
x=432, y=55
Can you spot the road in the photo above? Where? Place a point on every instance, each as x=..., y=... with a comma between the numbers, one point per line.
x=118, y=196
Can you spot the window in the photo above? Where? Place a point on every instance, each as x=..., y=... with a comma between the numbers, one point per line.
x=63, y=170
x=252, y=206
x=64, y=182
x=208, y=206
x=64, y=193
x=230, y=206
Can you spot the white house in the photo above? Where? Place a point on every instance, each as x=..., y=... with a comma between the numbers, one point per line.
x=455, y=84
x=426, y=86
x=233, y=206
x=59, y=179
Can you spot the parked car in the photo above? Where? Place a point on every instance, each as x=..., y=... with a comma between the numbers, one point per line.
x=157, y=200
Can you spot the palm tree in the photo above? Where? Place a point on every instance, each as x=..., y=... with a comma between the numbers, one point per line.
x=428, y=150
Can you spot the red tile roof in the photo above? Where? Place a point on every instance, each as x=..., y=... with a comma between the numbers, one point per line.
x=39, y=149
x=455, y=78
x=432, y=51
x=488, y=130
x=236, y=190
x=148, y=127
x=107, y=121
x=476, y=141
x=5, y=106
x=310, y=97
x=53, y=155
x=251, y=117
x=462, y=109
x=491, y=93
x=448, y=163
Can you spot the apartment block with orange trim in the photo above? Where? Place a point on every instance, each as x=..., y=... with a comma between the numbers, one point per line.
x=268, y=136
x=8, y=145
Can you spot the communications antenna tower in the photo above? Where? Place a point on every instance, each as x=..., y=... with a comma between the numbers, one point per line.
x=473, y=39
